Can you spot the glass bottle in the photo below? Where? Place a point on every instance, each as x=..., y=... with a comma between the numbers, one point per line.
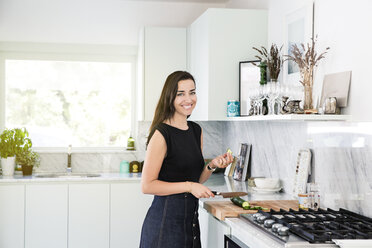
x=130, y=144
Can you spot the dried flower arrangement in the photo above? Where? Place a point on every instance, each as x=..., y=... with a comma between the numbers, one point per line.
x=307, y=60
x=273, y=60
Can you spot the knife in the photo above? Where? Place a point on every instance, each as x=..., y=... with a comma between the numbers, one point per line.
x=229, y=194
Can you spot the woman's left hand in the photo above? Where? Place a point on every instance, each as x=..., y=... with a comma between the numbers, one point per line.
x=222, y=161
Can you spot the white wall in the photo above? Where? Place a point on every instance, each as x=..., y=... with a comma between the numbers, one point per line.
x=91, y=21
x=343, y=26
x=248, y=4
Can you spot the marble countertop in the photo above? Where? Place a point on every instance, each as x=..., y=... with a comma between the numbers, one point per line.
x=102, y=177
x=218, y=182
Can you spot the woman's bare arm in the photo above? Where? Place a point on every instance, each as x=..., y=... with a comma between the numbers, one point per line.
x=221, y=161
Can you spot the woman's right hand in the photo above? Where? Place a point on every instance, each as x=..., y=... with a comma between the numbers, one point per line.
x=199, y=190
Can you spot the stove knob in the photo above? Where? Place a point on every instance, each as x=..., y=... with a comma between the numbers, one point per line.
x=261, y=219
x=269, y=223
x=283, y=231
x=256, y=215
x=275, y=227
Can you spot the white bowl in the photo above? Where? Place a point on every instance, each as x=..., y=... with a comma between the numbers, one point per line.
x=267, y=183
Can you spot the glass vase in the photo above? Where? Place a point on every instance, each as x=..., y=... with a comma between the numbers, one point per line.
x=308, y=90
x=274, y=91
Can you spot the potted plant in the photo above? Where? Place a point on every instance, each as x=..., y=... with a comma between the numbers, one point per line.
x=12, y=141
x=273, y=60
x=27, y=158
x=307, y=60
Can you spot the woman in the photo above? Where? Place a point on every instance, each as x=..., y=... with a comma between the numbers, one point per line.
x=174, y=168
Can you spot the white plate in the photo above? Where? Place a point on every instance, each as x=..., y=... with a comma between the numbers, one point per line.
x=260, y=190
x=353, y=243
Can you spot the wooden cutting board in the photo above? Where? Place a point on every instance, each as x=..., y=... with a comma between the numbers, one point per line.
x=226, y=209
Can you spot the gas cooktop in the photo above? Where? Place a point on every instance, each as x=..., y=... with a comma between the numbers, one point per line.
x=313, y=226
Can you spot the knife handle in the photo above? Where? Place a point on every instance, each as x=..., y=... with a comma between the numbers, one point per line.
x=215, y=192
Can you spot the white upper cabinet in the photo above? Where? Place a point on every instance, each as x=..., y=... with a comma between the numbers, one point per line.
x=217, y=41
x=161, y=52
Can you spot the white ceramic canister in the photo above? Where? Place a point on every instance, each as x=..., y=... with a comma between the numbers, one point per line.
x=7, y=165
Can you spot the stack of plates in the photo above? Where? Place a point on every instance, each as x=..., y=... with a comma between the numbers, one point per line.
x=266, y=185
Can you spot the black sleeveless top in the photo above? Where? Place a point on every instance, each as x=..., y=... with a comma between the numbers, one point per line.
x=184, y=160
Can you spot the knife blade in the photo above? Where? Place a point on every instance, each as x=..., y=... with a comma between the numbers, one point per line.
x=229, y=194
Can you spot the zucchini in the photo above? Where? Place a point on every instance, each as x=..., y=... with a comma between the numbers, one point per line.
x=245, y=205
x=240, y=202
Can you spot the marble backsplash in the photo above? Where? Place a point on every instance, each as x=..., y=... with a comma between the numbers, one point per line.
x=341, y=155
x=84, y=162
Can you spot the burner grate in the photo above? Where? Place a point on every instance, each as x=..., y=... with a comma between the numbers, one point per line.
x=323, y=225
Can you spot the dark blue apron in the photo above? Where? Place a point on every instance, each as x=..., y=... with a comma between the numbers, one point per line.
x=172, y=222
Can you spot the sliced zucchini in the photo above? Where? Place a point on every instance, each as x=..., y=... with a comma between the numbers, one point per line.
x=245, y=205
x=240, y=202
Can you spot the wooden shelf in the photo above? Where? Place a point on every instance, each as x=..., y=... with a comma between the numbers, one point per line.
x=291, y=117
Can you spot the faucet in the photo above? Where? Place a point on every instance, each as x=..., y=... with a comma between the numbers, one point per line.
x=69, y=168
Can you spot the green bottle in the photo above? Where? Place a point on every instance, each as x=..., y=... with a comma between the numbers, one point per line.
x=130, y=144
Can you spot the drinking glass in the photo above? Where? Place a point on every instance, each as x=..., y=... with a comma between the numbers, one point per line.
x=261, y=98
x=272, y=94
x=314, y=195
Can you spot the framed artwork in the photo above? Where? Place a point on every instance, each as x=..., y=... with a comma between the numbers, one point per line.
x=249, y=77
x=299, y=29
x=241, y=167
x=336, y=85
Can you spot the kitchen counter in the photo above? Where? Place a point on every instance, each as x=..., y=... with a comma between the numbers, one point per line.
x=214, y=229
x=219, y=182
x=102, y=177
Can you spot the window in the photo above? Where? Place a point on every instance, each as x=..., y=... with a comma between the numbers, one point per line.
x=60, y=102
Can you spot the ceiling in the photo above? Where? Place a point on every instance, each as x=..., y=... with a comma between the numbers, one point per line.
x=183, y=1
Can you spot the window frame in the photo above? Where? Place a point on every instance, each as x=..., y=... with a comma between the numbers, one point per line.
x=70, y=52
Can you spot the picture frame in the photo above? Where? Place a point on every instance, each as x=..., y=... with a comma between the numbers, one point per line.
x=299, y=28
x=249, y=77
x=241, y=167
x=336, y=85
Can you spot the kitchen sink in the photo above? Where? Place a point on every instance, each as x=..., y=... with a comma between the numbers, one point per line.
x=67, y=175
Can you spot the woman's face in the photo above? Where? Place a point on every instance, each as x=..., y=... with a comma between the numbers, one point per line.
x=185, y=100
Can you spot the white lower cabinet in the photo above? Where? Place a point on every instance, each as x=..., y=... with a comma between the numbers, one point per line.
x=12, y=203
x=89, y=216
x=46, y=215
x=128, y=210
x=212, y=230
x=72, y=215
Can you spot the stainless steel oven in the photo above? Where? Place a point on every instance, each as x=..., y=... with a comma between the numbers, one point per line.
x=233, y=242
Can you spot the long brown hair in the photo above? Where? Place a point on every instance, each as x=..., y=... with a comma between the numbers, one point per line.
x=165, y=107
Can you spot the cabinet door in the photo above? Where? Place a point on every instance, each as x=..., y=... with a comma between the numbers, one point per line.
x=12, y=216
x=212, y=230
x=218, y=40
x=46, y=216
x=128, y=210
x=89, y=216
x=164, y=53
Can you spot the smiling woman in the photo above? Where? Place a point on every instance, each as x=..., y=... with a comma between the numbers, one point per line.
x=86, y=102
x=174, y=169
